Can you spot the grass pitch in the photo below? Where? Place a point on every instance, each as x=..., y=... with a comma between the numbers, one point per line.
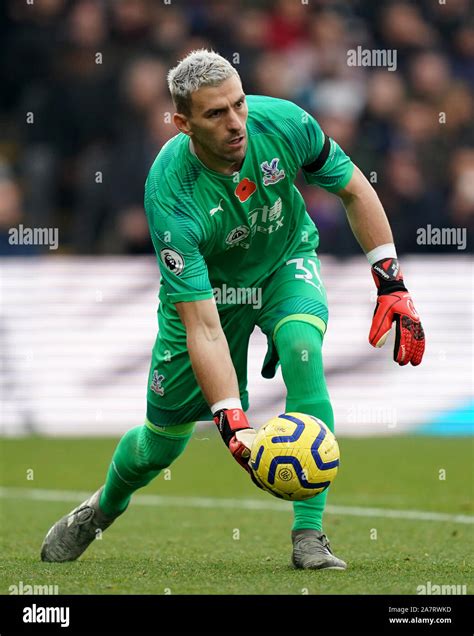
x=208, y=530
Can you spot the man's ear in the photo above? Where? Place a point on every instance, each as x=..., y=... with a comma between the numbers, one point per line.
x=182, y=124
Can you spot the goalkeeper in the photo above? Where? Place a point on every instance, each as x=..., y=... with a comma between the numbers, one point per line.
x=224, y=214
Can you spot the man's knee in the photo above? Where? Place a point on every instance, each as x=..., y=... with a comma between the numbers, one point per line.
x=299, y=341
x=155, y=449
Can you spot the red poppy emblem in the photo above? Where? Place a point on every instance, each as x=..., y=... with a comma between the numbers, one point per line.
x=245, y=189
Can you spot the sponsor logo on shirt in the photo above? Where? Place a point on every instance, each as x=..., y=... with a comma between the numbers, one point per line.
x=172, y=260
x=264, y=220
x=271, y=172
x=237, y=234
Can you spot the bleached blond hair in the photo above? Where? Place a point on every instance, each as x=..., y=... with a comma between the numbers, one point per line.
x=199, y=68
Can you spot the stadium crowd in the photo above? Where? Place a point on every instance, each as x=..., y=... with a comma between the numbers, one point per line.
x=84, y=107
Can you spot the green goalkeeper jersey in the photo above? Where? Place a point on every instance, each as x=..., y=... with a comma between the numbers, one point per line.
x=211, y=229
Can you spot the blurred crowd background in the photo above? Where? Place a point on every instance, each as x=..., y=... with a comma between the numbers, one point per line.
x=99, y=120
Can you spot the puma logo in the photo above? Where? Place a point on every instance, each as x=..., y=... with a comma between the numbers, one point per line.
x=218, y=209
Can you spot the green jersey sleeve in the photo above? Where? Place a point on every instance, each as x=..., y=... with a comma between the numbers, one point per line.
x=176, y=238
x=323, y=161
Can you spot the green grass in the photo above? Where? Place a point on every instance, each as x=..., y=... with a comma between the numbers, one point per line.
x=182, y=549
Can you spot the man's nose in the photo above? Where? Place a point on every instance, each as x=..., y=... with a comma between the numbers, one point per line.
x=233, y=121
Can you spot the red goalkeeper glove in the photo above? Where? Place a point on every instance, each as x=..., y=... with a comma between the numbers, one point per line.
x=237, y=434
x=394, y=303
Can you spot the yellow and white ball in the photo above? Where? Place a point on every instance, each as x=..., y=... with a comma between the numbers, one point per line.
x=294, y=456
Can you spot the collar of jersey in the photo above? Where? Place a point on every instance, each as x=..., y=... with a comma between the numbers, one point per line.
x=192, y=154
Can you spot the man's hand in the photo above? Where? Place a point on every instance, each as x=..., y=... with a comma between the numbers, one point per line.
x=394, y=303
x=238, y=436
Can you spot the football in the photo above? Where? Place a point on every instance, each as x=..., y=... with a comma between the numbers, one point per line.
x=294, y=456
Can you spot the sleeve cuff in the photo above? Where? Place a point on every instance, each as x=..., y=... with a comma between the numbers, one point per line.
x=343, y=181
x=184, y=297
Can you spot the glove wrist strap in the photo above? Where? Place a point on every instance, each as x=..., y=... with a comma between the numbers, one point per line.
x=229, y=421
x=388, y=276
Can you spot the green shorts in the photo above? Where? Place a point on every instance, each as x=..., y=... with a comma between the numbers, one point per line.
x=294, y=291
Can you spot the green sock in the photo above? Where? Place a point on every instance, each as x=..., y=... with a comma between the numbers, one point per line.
x=140, y=456
x=299, y=346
